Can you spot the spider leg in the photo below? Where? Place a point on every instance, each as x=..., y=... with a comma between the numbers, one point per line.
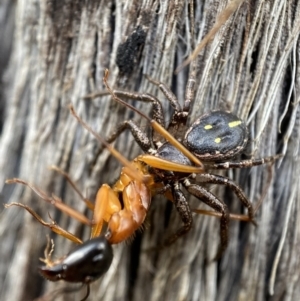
x=244, y=163
x=130, y=167
x=190, y=85
x=177, y=124
x=183, y=208
x=212, y=201
x=171, y=97
x=157, y=111
x=216, y=179
x=139, y=136
x=189, y=91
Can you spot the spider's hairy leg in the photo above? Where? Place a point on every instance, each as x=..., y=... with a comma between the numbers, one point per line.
x=183, y=208
x=105, y=205
x=171, y=97
x=157, y=111
x=217, y=179
x=139, y=136
x=212, y=201
x=245, y=163
x=178, y=120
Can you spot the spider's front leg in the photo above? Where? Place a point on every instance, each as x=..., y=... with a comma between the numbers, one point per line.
x=157, y=111
x=212, y=201
x=139, y=136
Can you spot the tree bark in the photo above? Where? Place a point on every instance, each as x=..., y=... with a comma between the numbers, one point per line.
x=59, y=54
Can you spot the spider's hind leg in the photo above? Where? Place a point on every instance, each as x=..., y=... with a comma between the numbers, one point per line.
x=157, y=111
x=139, y=136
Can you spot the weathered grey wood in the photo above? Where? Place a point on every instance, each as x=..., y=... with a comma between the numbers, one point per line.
x=60, y=51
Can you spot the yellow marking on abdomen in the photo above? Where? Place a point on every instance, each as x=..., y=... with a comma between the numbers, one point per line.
x=218, y=140
x=233, y=124
x=208, y=127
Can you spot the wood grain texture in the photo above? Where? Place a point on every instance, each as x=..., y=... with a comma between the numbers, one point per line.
x=59, y=53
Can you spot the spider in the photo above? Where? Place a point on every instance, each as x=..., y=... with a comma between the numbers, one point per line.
x=215, y=138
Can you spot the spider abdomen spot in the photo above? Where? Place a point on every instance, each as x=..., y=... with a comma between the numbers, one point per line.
x=216, y=136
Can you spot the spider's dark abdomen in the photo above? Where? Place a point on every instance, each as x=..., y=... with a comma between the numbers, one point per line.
x=216, y=136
